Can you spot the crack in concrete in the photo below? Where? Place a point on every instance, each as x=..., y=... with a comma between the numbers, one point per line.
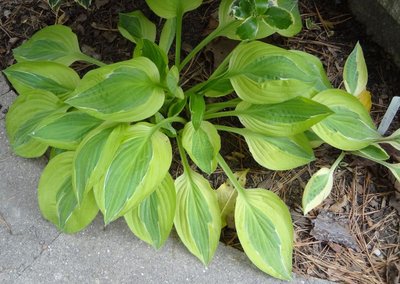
x=4, y=222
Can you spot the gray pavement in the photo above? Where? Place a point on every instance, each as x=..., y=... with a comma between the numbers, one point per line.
x=33, y=251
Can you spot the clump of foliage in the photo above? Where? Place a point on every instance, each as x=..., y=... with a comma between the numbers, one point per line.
x=109, y=132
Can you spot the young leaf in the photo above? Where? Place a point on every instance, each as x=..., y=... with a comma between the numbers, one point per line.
x=280, y=153
x=283, y=119
x=153, y=219
x=171, y=8
x=197, y=219
x=197, y=107
x=317, y=189
x=47, y=76
x=65, y=130
x=134, y=26
x=27, y=111
x=355, y=72
x=373, y=152
x=153, y=52
x=138, y=166
x=350, y=128
x=202, y=145
x=126, y=91
x=265, y=231
x=393, y=140
x=57, y=200
x=53, y=43
x=167, y=34
x=263, y=74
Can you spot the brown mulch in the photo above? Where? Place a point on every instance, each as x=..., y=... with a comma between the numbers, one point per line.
x=364, y=194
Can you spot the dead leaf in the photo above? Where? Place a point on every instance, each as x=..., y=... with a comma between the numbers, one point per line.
x=338, y=206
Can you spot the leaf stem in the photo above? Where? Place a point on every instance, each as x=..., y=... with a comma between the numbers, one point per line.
x=185, y=163
x=214, y=107
x=240, y=131
x=220, y=114
x=338, y=160
x=224, y=166
x=178, y=38
x=89, y=59
x=167, y=120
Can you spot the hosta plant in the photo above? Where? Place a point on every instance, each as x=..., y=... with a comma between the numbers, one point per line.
x=109, y=133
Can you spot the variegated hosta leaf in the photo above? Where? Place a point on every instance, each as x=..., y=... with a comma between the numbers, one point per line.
x=317, y=189
x=265, y=231
x=84, y=3
x=153, y=219
x=393, y=140
x=135, y=26
x=27, y=111
x=65, y=130
x=373, y=152
x=152, y=51
x=280, y=153
x=138, y=166
x=54, y=3
x=263, y=74
x=172, y=8
x=172, y=83
x=350, y=128
x=57, y=199
x=94, y=155
x=126, y=91
x=48, y=76
x=197, y=218
x=202, y=145
x=283, y=119
x=355, y=72
x=53, y=43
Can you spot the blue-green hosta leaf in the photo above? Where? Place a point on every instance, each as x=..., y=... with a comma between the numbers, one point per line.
x=152, y=51
x=53, y=43
x=280, y=153
x=48, y=76
x=350, y=128
x=283, y=119
x=65, y=130
x=197, y=218
x=202, y=145
x=94, y=155
x=126, y=91
x=57, y=199
x=27, y=111
x=171, y=8
x=262, y=74
x=265, y=231
x=138, y=166
x=153, y=219
x=355, y=73
x=317, y=189
x=373, y=152
x=135, y=26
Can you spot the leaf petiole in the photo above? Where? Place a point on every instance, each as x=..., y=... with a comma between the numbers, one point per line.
x=224, y=166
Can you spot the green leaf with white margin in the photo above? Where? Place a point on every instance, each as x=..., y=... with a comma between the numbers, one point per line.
x=265, y=231
x=202, y=145
x=355, y=73
x=84, y=3
x=153, y=218
x=65, y=130
x=53, y=43
x=393, y=140
x=123, y=92
x=94, y=155
x=291, y=6
x=317, y=189
x=27, y=111
x=374, y=152
x=261, y=73
x=138, y=166
x=48, y=76
x=350, y=128
x=282, y=119
x=135, y=26
x=57, y=200
x=197, y=218
x=279, y=153
x=171, y=8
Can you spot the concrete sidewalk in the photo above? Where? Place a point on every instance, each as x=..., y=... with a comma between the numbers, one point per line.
x=33, y=251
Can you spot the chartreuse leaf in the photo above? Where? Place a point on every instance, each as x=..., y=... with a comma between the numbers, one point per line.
x=355, y=72
x=138, y=166
x=153, y=218
x=262, y=74
x=48, y=76
x=172, y=83
x=197, y=218
x=53, y=43
x=202, y=145
x=134, y=26
x=65, y=130
x=152, y=51
x=283, y=119
x=27, y=111
x=57, y=200
x=94, y=155
x=350, y=128
x=169, y=9
x=126, y=91
x=167, y=34
x=265, y=231
x=279, y=153
x=319, y=186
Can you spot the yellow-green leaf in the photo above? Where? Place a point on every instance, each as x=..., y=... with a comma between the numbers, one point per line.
x=355, y=72
x=172, y=8
x=317, y=189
